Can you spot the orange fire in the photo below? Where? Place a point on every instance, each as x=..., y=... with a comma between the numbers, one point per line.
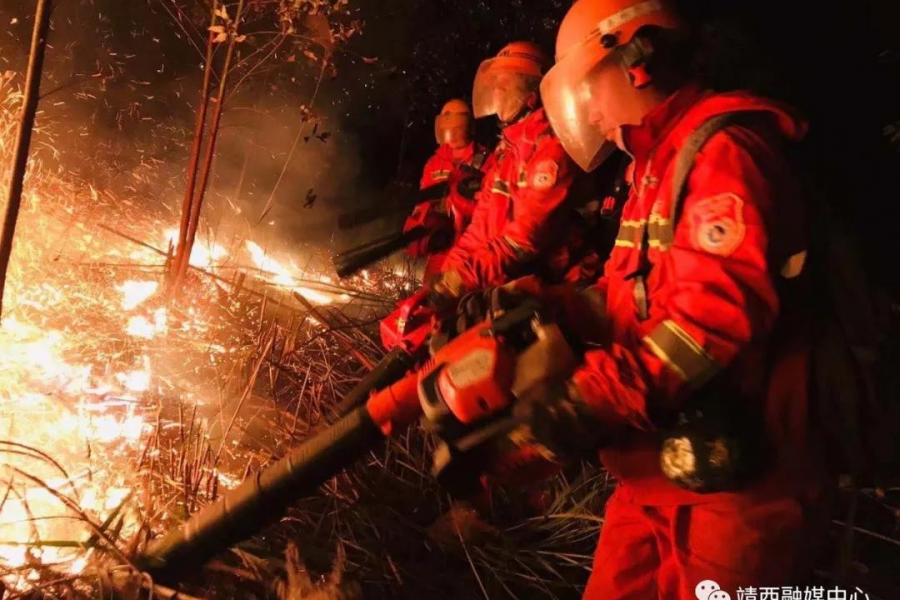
x=283, y=276
x=81, y=378
x=136, y=292
x=203, y=254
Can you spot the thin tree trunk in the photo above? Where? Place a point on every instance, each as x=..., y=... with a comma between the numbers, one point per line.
x=199, y=127
x=23, y=136
x=210, y=154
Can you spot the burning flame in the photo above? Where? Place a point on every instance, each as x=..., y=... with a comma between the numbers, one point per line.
x=136, y=292
x=202, y=254
x=142, y=327
x=57, y=406
x=80, y=383
x=283, y=276
x=137, y=380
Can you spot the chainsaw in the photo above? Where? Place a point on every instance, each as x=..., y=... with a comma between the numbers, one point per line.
x=466, y=394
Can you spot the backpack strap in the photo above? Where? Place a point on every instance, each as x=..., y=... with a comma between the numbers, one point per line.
x=478, y=159
x=684, y=164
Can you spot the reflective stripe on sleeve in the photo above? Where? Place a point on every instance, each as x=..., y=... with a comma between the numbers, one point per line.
x=681, y=353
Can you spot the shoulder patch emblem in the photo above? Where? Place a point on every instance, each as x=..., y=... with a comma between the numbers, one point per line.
x=717, y=224
x=544, y=175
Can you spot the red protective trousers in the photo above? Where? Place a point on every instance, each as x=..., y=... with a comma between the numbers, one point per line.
x=665, y=552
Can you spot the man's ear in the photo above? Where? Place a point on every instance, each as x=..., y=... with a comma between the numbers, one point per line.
x=635, y=56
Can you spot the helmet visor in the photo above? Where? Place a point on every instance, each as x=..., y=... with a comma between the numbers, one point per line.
x=571, y=94
x=453, y=129
x=501, y=92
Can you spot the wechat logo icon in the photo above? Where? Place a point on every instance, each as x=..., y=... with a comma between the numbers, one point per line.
x=710, y=590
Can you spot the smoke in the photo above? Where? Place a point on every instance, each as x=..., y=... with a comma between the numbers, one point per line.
x=281, y=170
x=120, y=94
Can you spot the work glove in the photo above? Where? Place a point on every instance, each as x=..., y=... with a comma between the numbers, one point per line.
x=472, y=309
x=445, y=289
x=439, y=224
x=486, y=305
x=548, y=404
x=561, y=421
x=581, y=311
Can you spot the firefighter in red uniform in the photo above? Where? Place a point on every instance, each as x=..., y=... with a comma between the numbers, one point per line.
x=458, y=165
x=702, y=307
x=520, y=217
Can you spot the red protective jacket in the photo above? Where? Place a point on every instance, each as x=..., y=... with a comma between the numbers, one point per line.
x=442, y=167
x=520, y=217
x=455, y=210
x=711, y=292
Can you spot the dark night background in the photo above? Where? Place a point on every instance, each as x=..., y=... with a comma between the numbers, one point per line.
x=122, y=77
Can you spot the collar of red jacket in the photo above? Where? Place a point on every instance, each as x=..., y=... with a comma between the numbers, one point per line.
x=527, y=129
x=692, y=105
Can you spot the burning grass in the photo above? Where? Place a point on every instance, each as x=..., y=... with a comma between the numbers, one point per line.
x=97, y=371
x=121, y=411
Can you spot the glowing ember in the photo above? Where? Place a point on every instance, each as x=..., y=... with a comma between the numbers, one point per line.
x=270, y=265
x=313, y=295
x=136, y=292
x=137, y=381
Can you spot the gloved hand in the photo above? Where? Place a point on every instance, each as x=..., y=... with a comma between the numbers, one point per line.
x=581, y=311
x=472, y=309
x=489, y=304
x=435, y=218
x=445, y=289
x=561, y=421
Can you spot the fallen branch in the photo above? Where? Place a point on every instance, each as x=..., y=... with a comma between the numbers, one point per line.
x=264, y=353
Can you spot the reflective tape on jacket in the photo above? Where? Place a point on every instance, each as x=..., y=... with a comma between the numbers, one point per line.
x=500, y=187
x=630, y=233
x=523, y=179
x=659, y=233
x=681, y=353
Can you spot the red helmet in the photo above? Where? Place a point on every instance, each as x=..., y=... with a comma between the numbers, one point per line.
x=504, y=83
x=454, y=124
x=588, y=35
